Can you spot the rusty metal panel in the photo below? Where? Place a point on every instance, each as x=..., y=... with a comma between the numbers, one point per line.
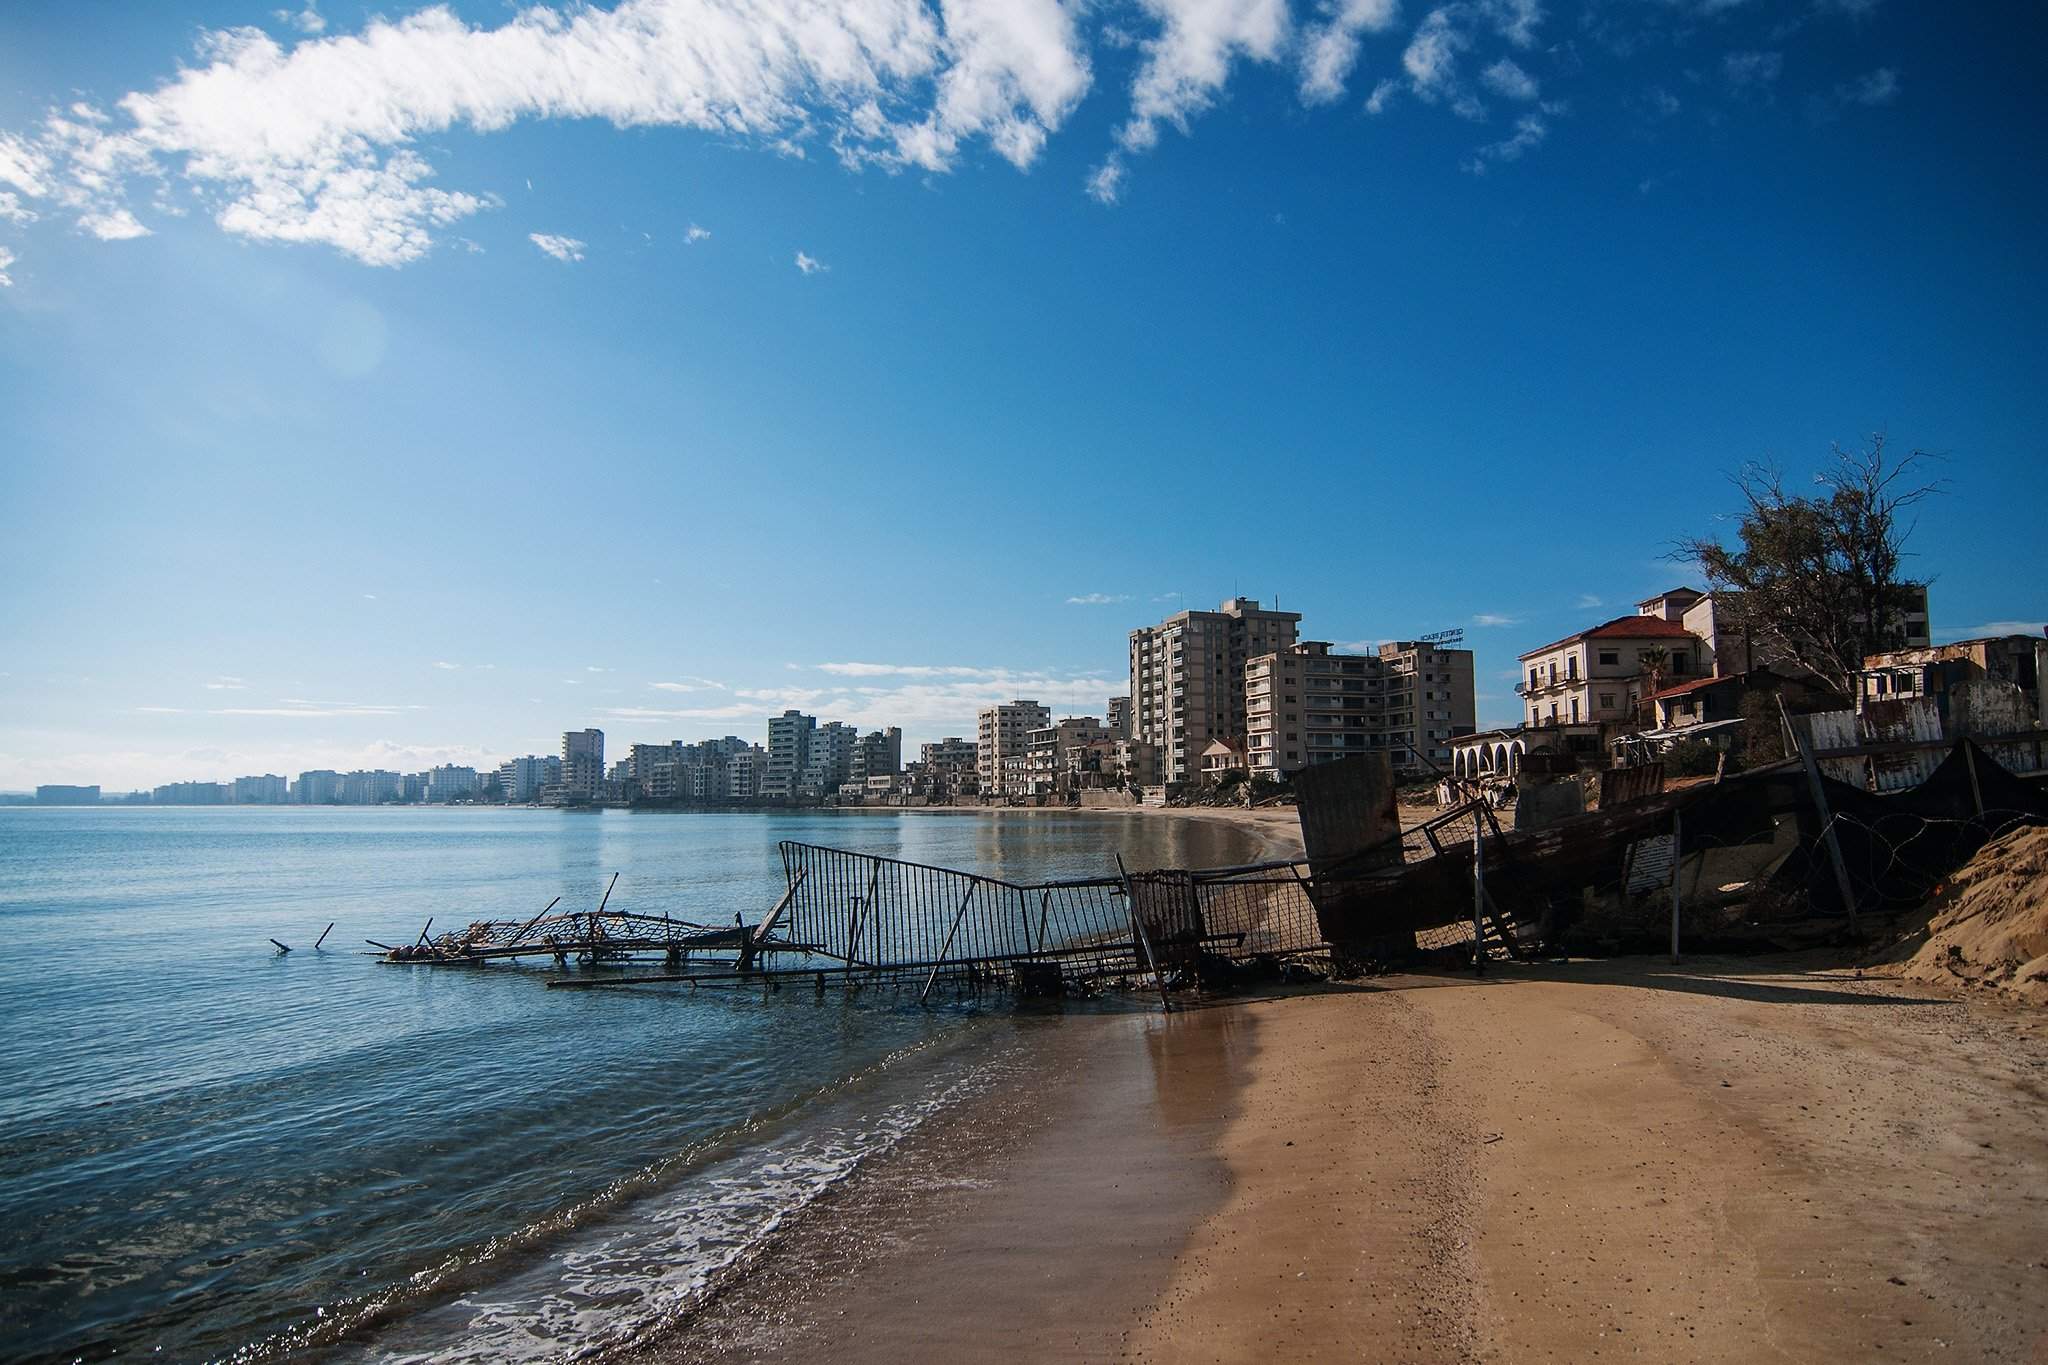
x=1986, y=708
x=1901, y=722
x=1836, y=730
x=1621, y=786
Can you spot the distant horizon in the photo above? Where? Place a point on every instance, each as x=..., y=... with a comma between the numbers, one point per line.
x=385, y=386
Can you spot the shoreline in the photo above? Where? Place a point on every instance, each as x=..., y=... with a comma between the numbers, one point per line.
x=1773, y=1159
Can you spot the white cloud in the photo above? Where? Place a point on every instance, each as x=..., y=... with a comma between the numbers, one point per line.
x=688, y=683
x=315, y=140
x=1752, y=70
x=925, y=699
x=225, y=683
x=1106, y=182
x=696, y=234
x=1330, y=47
x=1508, y=80
x=1184, y=68
x=6, y=260
x=298, y=708
x=1431, y=60
x=444, y=664
x=1878, y=87
x=1382, y=96
x=1098, y=599
x=118, y=225
x=594, y=668
x=1587, y=601
x=1530, y=130
x=1489, y=618
x=307, y=20
x=561, y=248
x=810, y=265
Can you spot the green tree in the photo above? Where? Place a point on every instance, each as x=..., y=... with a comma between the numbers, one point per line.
x=1816, y=580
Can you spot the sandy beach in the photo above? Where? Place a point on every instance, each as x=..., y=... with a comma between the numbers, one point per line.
x=1729, y=1160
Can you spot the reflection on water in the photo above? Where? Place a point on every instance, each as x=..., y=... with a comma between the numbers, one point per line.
x=203, y=1145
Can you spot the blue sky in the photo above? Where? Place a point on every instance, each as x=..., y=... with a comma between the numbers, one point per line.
x=388, y=390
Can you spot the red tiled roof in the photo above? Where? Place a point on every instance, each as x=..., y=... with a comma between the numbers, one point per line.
x=1692, y=686
x=1622, y=628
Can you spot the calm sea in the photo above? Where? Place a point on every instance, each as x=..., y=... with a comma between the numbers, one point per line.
x=210, y=1150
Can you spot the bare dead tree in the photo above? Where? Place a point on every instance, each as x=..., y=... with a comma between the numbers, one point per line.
x=1816, y=581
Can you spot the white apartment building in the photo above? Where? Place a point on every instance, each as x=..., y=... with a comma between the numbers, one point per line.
x=321, y=787
x=1188, y=678
x=789, y=751
x=830, y=761
x=267, y=790
x=1307, y=705
x=1000, y=735
x=521, y=779
x=450, y=782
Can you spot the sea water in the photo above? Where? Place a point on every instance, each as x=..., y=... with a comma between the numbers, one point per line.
x=210, y=1149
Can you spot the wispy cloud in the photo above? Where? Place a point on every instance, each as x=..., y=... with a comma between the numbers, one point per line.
x=307, y=20
x=1489, y=618
x=694, y=234
x=810, y=265
x=687, y=683
x=1752, y=71
x=1098, y=599
x=299, y=708
x=1530, y=130
x=6, y=260
x=561, y=248
x=444, y=664
x=225, y=683
x=1868, y=91
x=1329, y=49
x=1587, y=601
x=1508, y=80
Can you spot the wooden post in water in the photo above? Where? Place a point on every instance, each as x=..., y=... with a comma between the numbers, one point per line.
x=323, y=936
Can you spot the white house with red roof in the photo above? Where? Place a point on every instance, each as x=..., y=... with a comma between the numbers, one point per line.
x=1601, y=674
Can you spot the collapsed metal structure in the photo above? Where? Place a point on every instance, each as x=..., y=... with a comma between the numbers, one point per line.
x=858, y=919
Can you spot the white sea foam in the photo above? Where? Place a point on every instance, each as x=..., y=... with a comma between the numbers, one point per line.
x=650, y=1262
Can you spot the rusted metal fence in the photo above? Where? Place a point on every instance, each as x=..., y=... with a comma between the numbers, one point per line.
x=876, y=915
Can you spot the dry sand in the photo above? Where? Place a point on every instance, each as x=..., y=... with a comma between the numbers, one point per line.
x=1988, y=928
x=1723, y=1161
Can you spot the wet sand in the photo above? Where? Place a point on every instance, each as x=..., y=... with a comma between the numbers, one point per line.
x=1724, y=1161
